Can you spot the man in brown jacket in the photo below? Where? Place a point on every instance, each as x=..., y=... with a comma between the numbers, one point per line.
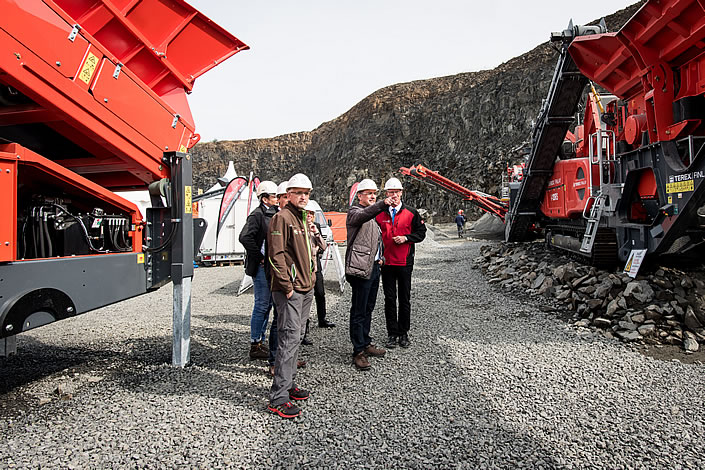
x=293, y=277
x=363, y=258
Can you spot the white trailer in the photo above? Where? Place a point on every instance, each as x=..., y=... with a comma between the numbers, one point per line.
x=228, y=248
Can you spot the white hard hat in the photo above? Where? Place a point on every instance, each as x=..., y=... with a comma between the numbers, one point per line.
x=310, y=206
x=392, y=183
x=366, y=185
x=281, y=189
x=266, y=187
x=299, y=180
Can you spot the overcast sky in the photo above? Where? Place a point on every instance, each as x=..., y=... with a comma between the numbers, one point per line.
x=312, y=60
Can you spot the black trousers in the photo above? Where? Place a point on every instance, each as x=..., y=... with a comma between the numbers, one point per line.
x=319, y=293
x=364, y=297
x=396, y=281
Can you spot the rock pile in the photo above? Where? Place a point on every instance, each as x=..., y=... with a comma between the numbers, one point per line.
x=663, y=305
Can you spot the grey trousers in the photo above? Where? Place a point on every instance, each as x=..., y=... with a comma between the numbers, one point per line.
x=291, y=326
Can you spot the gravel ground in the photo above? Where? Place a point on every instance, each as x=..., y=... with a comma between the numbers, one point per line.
x=488, y=382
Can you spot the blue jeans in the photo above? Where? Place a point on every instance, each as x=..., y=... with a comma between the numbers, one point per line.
x=263, y=304
x=364, y=297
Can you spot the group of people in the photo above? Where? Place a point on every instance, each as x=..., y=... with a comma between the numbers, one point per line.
x=284, y=244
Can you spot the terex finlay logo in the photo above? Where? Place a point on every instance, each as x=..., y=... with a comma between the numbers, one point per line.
x=686, y=177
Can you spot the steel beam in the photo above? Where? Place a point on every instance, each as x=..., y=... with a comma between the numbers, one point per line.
x=181, y=255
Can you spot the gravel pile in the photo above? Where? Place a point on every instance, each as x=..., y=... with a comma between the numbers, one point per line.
x=490, y=381
x=662, y=305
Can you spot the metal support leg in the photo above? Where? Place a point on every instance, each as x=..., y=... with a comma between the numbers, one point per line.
x=8, y=346
x=181, y=255
x=181, y=349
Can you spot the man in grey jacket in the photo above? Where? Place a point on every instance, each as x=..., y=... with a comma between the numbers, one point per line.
x=363, y=258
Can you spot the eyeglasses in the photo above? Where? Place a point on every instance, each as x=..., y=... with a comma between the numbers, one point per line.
x=368, y=193
x=300, y=193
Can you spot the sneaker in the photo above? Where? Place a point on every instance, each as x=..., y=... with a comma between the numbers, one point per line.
x=404, y=341
x=374, y=351
x=256, y=351
x=285, y=410
x=391, y=342
x=361, y=362
x=297, y=393
x=326, y=324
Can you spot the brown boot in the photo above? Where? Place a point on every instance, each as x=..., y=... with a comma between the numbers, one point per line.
x=373, y=351
x=257, y=352
x=361, y=362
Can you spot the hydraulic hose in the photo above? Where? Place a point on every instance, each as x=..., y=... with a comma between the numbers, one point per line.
x=41, y=233
x=47, y=236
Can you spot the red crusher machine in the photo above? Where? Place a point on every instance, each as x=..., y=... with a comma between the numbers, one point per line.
x=632, y=177
x=92, y=101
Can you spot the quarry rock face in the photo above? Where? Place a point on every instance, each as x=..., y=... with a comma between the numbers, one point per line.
x=464, y=126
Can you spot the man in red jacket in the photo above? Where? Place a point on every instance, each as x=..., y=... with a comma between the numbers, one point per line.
x=402, y=227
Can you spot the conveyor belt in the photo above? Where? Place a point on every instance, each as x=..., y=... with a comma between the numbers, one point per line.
x=555, y=117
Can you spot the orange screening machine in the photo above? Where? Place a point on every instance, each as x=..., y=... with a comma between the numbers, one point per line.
x=93, y=99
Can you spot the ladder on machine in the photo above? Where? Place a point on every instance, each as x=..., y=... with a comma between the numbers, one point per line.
x=593, y=223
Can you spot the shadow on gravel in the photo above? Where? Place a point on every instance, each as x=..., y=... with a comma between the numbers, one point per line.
x=230, y=289
x=227, y=318
x=215, y=358
x=38, y=360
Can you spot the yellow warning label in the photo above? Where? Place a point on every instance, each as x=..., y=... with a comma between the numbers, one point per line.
x=187, y=199
x=670, y=199
x=88, y=68
x=679, y=187
x=183, y=149
x=628, y=267
x=140, y=258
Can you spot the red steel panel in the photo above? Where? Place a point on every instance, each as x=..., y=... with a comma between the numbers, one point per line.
x=8, y=206
x=567, y=194
x=639, y=60
x=54, y=68
x=606, y=61
x=166, y=43
x=124, y=97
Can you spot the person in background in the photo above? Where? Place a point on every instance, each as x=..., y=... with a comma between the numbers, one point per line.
x=293, y=277
x=363, y=258
x=402, y=227
x=318, y=246
x=460, y=222
x=253, y=238
x=319, y=292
